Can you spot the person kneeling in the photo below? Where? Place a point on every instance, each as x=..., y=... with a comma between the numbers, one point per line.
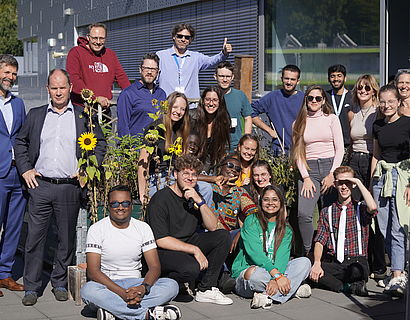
x=114, y=248
x=343, y=228
x=262, y=268
x=175, y=214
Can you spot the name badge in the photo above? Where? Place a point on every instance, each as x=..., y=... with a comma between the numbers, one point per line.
x=234, y=122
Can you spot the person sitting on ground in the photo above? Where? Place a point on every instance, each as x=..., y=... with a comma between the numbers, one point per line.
x=115, y=246
x=175, y=214
x=262, y=268
x=343, y=229
x=248, y=151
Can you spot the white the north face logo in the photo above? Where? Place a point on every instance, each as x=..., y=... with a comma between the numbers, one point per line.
x=98, y=67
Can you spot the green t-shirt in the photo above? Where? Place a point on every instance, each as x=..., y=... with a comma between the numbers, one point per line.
x=251, y=248
x=238, y=107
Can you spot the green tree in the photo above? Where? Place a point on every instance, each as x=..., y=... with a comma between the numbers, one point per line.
x=8, y=28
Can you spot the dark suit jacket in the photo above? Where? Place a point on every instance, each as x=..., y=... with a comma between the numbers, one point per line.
x=27, y=146
x=7, y=139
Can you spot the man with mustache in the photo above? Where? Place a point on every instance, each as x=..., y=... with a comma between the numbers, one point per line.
x=12, y=200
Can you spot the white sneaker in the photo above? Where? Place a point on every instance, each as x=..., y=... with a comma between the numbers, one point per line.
x=261, y=300
x=104, y=315
x=304, y=291
x=165, y=312
x=397, y=286
x=212, y=296
x=384, y=282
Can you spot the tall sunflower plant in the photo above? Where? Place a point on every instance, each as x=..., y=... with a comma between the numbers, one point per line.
x=88, y=168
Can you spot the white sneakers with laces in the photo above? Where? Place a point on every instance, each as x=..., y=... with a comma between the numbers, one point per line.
x=165, y=312
x=397, y=286
x=304, y=291
x=104, y=315
x=212, y=296
x=261, y=300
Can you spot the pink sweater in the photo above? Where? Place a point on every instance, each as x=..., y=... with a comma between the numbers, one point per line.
x=324, y=139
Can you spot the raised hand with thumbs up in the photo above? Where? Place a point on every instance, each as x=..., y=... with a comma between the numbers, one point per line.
x=227, y=48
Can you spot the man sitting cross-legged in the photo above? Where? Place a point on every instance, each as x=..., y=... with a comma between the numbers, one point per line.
x=345, y=266
x=174, y=214
x=115, y=245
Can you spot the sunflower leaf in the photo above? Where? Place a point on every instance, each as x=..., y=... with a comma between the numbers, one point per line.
x=93, y=160
x=91, y=172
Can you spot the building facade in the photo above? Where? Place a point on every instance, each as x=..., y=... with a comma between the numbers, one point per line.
x=361, y=34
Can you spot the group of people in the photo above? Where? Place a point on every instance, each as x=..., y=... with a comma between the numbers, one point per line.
x=215, y=220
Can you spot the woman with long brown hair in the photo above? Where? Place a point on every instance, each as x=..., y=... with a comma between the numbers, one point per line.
x=262, y=268
x=212, y=122
x=175, y=120
x=317, y=150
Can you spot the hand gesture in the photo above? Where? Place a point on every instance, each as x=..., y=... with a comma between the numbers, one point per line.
x=134, y=295
x=221, y=180
x=308, y=188
x=227, y=48
x=283, y=285
x=327, y=183
x=316, y=272
x=191, y=193
x=30, y=178
x=103, y=101
x=271, y=287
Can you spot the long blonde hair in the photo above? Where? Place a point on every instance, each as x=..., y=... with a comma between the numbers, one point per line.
x=298, y=142
x=181, y=128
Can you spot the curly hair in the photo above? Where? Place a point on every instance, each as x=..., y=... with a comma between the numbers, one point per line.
x=188, y=161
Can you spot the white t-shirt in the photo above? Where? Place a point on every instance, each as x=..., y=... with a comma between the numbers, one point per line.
x=120, y=249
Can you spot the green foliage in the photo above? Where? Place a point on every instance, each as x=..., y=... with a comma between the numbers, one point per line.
x=8, y=29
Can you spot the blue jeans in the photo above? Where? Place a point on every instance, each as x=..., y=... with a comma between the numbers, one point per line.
x=163, y=291
x=390, y=227
x=204, y=188
x=297, y=270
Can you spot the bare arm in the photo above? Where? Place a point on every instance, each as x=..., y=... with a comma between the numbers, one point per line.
x=260, y=124
x=317, y=272
x=248, y=125
x=94, y=273
x=208, y=217
x=370, y=203
x=376, y=156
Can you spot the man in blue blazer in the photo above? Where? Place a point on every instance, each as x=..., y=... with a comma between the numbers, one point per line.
x=47, y=154
x=12, y=200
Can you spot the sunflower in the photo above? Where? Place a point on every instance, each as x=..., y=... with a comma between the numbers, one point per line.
x=87, y=95
x=87, y=141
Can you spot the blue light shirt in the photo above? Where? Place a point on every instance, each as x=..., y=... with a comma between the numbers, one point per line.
x=7, y=111
x=58, y=141
x=180, y=73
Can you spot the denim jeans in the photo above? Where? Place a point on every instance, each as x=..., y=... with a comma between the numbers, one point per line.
x=163, y=291
x=297, y=270
x=388, y=218
x=204, y=188
x=319, y=169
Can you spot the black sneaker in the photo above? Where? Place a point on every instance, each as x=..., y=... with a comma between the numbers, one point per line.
x=226, y=283
x=30, y=298
x=60, y=293
x=359, y=288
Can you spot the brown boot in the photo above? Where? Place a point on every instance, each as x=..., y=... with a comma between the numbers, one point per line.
x=1, y=294
x=11, y=285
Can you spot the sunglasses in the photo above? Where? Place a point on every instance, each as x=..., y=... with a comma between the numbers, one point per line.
x=343, y=182
x=366, y=87
x=124, y=204
x=180, y=36
x=231, y=165
x=317, y=98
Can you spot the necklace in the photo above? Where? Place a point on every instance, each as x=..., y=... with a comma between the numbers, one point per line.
x=364, y=114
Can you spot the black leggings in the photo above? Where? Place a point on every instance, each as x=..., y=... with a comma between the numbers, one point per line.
x=183, y=267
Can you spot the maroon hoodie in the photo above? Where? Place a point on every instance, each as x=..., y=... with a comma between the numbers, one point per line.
x=97, y=72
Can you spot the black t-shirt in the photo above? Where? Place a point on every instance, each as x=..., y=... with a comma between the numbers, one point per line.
x=169, y=215
x=343, y=117
x=393, y=139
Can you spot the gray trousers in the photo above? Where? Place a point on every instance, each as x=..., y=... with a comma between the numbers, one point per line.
x=319, y=169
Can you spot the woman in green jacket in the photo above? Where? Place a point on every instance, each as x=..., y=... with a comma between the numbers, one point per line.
x=262, y=268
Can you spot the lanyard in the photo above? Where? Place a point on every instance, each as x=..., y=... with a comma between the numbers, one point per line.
x=338, y=109
x=359, y=228
x=179, y=66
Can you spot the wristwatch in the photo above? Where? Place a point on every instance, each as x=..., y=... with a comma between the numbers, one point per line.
x=201, y=203
x=147, y=287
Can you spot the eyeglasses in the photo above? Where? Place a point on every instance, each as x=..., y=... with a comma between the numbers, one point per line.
x=187, y=175
x=144, y=68
x=231, y=165
x=117, y=204
x=221, y=76
x=366, y=87
x=317, y=98
x=102, y=39
x=180, y=36
x=214, y=100
x=389, y=102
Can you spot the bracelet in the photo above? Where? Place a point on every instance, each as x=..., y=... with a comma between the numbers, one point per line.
x=201, y=203
x=277, y=278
